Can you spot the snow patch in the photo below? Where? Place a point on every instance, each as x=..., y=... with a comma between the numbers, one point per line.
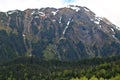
x=11, y=12
x=117, y=27
x=66, y=26
x=112, y=29
x=68, y=23
x=74, y=8
x=37, y=12
x=53, y=20
x=33, y=12
x=98, y=18
x=36, y=17
x=96, y=22
x=92, y=19
x=6, y=14
x=100, y=26
x=60, y=19
x=114, y=37
x=54, y=12
x=65, y=29
x=41, y=13
x=23, y=36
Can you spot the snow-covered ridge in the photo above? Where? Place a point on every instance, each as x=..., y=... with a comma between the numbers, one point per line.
x=86, y=9
x=74, y=7
x=11, y=12
x=38, y=12
x=96, y=20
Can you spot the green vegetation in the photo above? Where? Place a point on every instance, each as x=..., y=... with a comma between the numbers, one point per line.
x=26, y=68
x=49, y=52
x=11, y=46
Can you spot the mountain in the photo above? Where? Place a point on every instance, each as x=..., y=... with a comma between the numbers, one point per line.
x=68, y=33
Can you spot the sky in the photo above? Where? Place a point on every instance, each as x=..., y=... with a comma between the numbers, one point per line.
x=102, y=8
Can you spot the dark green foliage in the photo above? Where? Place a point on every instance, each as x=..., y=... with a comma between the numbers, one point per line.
x=18, y=44
x=36, y=69
x=49, y=52
x=11, y=46
x=6, y=50
x=37, y=49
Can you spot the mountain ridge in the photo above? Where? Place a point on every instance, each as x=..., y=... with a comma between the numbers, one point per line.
x=68, y=33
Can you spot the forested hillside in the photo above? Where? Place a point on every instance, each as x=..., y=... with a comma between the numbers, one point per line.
x=37, y=69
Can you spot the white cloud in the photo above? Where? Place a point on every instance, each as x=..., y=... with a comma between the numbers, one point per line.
x=106, y=8
x=6, y=5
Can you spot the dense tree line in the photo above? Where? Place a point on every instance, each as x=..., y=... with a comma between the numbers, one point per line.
x=31, y=68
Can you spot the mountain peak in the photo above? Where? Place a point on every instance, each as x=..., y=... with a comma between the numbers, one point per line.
x=68, y=33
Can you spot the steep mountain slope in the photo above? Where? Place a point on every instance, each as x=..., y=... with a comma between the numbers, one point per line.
x=69, y=33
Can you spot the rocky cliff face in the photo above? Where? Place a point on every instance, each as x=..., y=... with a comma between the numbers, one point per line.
x=69, y=33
